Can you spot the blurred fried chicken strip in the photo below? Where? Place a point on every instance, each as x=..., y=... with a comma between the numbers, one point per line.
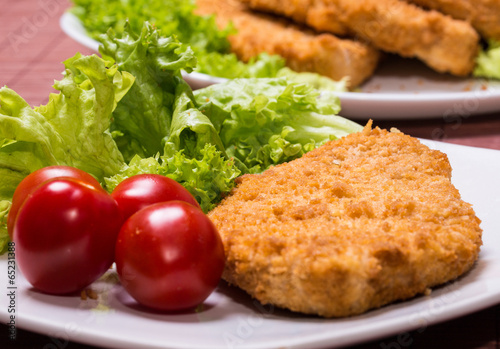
x=356, y=224
x=484, y=15
x=443, y=43
x=303, y=50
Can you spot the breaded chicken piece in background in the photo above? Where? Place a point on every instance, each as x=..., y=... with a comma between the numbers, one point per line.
x=358, y=223
x=303, y=50
x=443, y=43
x=484, y=15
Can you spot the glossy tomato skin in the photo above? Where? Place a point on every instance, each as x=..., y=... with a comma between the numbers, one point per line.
x=34, y=179
x=169, y=256
x=142, y=190
x=65, y=235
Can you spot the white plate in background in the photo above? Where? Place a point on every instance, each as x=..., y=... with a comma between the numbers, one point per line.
x=230, y=319
x=407, y=89
x=400, y=89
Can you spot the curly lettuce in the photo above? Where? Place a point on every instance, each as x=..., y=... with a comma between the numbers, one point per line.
x=208, y=177
x=157, y=125
x=72, y=129
x=264, y=122
x=143, y=118
x=488, y=61
x=172, y=17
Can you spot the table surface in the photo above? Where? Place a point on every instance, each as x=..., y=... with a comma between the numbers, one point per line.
x=32, y=47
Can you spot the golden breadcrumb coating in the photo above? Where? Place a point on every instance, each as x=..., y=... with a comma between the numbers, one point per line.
x=302, y=49
x=484, y=15
x=356, y=224
x=443, y=43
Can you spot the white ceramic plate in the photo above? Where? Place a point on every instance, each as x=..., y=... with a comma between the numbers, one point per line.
x=400, y=88
x=230, y=319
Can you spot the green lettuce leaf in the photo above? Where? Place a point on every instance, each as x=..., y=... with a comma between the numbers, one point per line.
x=319, y=82
x=488, y=61
x=171, y=17
x=142, y=120
x=190, y=129
x=81, y=114
x=264, y=122
x=228, y=66
x=157, y=125
x=4, y=236
x=72, y=129
x=208, y=178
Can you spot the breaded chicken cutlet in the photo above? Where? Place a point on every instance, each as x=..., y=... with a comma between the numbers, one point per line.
x=358, y=223
x=483, y=15
x=443, y=43
x=302, y=49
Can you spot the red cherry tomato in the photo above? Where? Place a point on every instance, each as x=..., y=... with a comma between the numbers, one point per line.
x=142, y=190
x=34, y=179
x=169, y=256
x=65, y=235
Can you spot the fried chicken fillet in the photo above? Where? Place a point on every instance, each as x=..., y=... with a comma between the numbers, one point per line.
x=443, y=43
x=484, y=15
x=303, y=50
x=355, y=224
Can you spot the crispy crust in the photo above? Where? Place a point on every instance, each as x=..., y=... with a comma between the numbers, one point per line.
x=443, y=43
x=484, y=15
x=353, y=225
x=303, y=49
